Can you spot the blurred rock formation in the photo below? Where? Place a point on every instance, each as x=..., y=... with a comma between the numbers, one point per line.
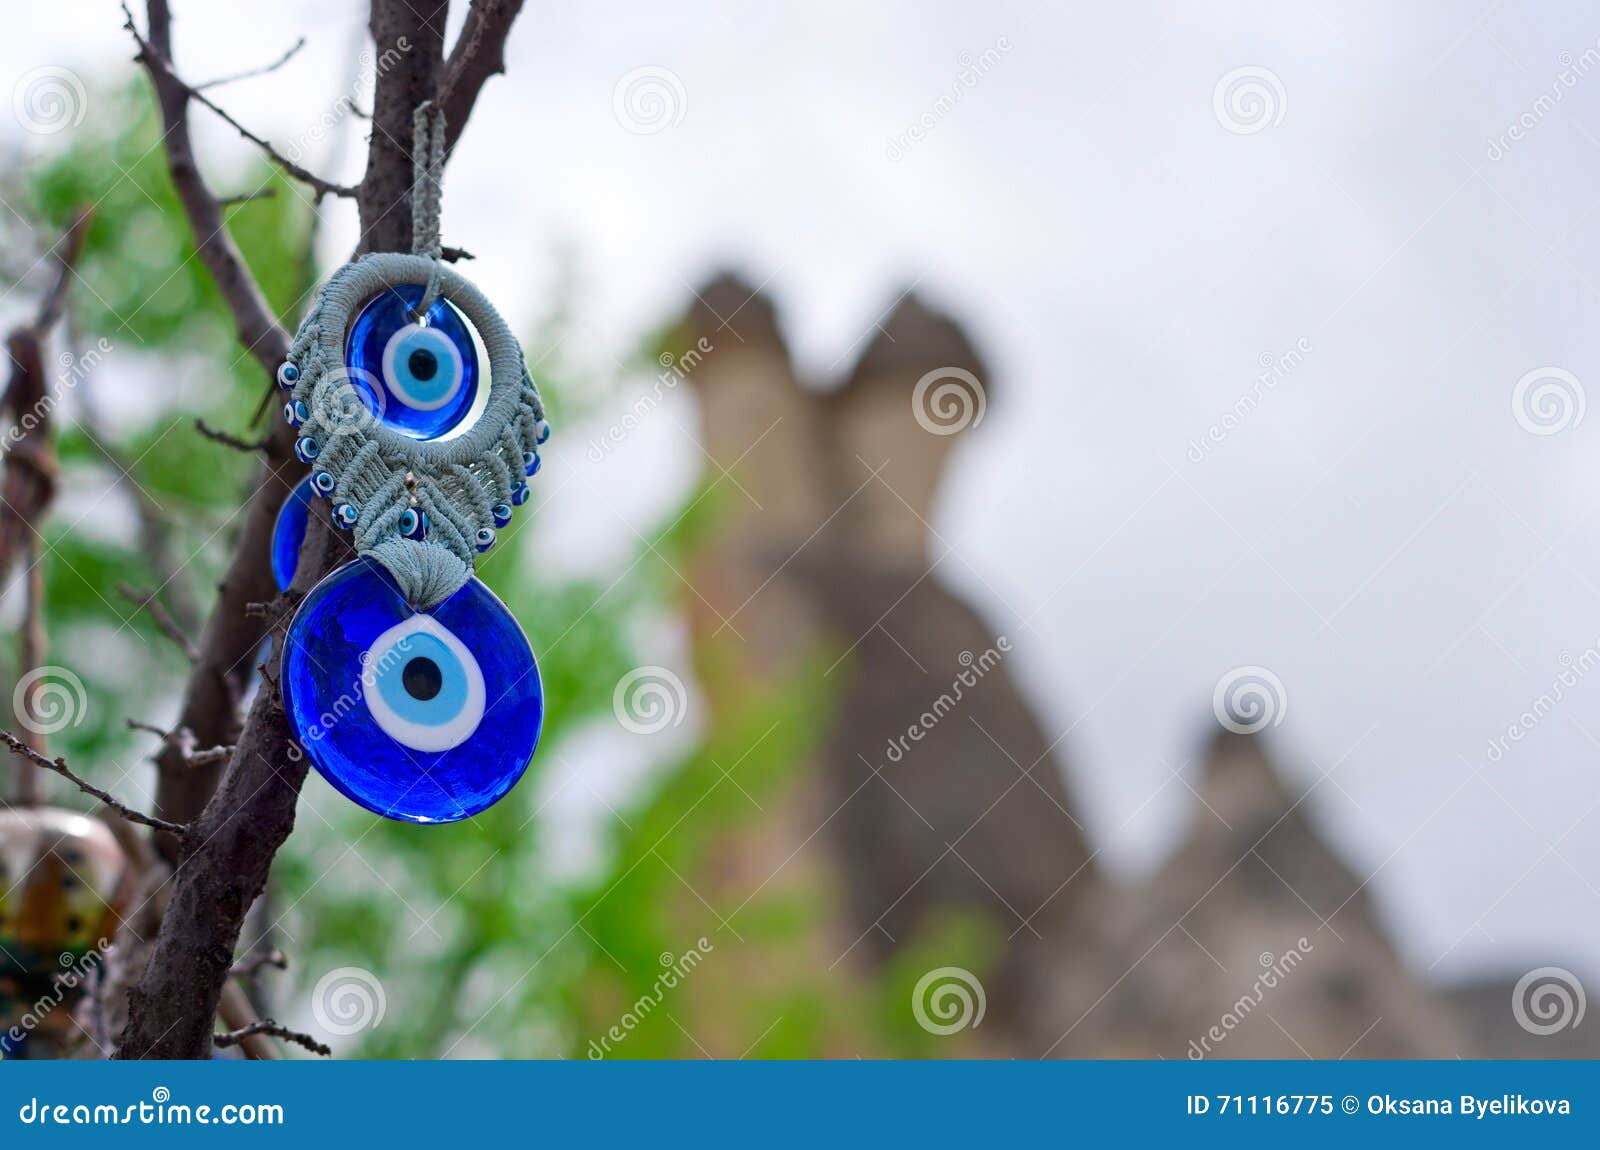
x=937, y=795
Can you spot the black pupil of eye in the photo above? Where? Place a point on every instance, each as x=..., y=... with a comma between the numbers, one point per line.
x=423, y=363
x=421, y=678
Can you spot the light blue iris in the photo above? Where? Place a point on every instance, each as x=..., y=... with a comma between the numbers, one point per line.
x=425, y=368
x=389, y=679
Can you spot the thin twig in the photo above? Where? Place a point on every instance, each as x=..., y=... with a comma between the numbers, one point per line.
x=247, y=197
x=156, y=61
x=247, y=967
x=228, y=439
x=252, y=73
x=59, y=766
x=267, y=1026
x=141, y=725
x=151, y=602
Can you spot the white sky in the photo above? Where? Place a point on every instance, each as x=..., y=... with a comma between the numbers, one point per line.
x=1380, y=532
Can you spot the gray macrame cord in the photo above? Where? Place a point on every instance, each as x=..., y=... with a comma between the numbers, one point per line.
x=378, y=471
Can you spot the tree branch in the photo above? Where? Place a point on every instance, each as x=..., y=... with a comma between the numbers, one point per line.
x=251, y=73
x=151, y=602
x=59, y=766
x=267, y=1026
x=258, y=328
x=479, y=53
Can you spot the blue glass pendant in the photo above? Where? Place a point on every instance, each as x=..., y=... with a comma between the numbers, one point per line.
x=419, y=379
x=290, y=530
x=426, y=717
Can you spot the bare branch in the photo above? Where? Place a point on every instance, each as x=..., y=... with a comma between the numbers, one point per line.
x=247, y=967
x=267, y=1026
x=258, y=328
x=158, y=64
x=59, y=766
x=150, y=601
x=247, y=197
x=227, y=439
x=479, y=53
x=251, y=73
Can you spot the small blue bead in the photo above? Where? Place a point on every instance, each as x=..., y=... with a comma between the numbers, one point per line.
x=288, y=375
x=305, y=449
x=541, y=431
x=519, y=493
x=485, y=538
x=345, y=515
x=323, y=482
x=413, y=523
x=530, y=462
x=295, y=413
x=501, y=513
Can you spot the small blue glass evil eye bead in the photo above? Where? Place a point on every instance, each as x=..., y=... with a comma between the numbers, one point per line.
x=541, y=431
x=428, y=373
x=290, y=529
x=305, y=449
x=425, y=717
x=519, y=493
x=295, y=413
x=345, y=515
x=413, y=523
x=501, y=513
x=288, y=375
x=484, y=539
x=530, y=463
x=322, y=481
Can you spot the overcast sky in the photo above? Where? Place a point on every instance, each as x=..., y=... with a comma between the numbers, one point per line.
x=1133, y=210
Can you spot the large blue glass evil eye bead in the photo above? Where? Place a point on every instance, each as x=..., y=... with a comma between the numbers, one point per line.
x=418, y=378
x=290, y=530
x=426, y=717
